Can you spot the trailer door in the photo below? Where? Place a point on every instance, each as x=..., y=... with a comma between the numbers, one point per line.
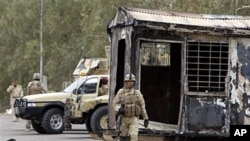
x=160, y=76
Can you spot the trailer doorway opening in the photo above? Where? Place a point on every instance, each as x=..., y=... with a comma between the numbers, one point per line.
x=160, y=80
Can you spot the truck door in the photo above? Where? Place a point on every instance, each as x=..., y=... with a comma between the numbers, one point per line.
x=89, y=88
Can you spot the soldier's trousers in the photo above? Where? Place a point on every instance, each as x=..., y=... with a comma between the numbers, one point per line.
x=12, y=101
x=129, y=127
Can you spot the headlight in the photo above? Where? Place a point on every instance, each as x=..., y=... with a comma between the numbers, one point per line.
x=31, y=104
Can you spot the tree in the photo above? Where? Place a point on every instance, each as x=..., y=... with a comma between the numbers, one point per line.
x=72, y=29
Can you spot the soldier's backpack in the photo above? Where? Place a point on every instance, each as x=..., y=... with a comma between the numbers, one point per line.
x=35, y=88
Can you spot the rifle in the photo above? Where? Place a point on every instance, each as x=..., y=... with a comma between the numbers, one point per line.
x=119, y=119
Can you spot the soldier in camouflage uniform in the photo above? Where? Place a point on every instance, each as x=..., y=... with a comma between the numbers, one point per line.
x=103, y=87
x=16, y=91
x=69, y=104
x=134, y=106
x=35, y=87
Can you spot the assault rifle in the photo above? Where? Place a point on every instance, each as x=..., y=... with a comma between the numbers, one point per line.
x=119, y=118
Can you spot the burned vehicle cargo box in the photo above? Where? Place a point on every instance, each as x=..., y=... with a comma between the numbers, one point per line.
x=192, y=70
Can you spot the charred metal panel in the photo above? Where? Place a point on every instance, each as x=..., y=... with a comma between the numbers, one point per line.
x=206, y=38
x=205, y=113
x=215, y=24
x=244, y=59
x=188, y=19
x=240, y=86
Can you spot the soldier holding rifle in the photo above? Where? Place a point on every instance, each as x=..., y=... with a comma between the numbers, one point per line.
x=129, y=104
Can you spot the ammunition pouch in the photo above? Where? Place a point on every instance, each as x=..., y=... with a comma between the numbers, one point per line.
x=132, y=110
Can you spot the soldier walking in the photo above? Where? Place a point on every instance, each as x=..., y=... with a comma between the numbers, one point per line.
x=16, y=91
x=129, y=103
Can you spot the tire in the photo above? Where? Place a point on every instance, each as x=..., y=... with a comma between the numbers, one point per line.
x=52, y=121
x=87, y=124
x=37, y=127
x=99, y=119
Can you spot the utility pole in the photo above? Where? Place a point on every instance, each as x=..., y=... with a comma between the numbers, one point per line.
x=41, y=42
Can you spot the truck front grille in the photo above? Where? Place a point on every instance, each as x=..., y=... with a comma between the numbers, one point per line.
x=20, y=102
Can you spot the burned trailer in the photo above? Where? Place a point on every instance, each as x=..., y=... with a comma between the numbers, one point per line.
x=192, y=70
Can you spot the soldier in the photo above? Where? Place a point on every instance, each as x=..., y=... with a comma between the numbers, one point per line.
x=133, y=102
x=16, y=91
x=35, y=87
x=103, y=86
x=67, y=108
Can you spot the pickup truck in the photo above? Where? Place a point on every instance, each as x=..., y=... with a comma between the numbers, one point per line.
x=46, y=111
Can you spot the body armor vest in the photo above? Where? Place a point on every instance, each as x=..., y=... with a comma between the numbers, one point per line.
x=130, y=99
x=35, y=88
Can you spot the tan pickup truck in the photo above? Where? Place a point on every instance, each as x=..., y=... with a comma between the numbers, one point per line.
x=46, y=111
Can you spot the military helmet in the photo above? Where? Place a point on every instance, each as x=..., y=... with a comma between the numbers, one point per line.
x=36, y=76
x=130, y=77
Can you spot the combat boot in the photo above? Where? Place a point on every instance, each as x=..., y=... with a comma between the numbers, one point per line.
x=15, y=119
x=28, y=124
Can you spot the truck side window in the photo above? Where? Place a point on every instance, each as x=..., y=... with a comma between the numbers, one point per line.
x=89, y=86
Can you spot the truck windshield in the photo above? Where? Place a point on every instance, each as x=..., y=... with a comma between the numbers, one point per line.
x=74, y=85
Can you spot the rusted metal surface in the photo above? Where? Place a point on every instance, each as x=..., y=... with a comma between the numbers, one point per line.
x=204, y=88
x=129, y=15
x=182, y=22
x=240, y=81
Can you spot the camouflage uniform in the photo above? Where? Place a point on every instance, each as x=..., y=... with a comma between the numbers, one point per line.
x=67, y=108
x=134, y=107
x=15, y=92
x=103, y=89
x=35, y=87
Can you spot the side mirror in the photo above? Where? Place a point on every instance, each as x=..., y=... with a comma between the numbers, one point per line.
x=75, y=91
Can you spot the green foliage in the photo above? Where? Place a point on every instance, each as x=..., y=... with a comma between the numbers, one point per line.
x=71, y=29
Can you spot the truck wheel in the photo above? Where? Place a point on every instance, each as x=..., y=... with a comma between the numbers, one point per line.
x=37, y=127
x=99, y=119
x=87, y=124
x=52, y=121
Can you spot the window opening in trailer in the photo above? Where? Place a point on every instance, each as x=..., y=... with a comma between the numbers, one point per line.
x=207, y=66
x=155, y=54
